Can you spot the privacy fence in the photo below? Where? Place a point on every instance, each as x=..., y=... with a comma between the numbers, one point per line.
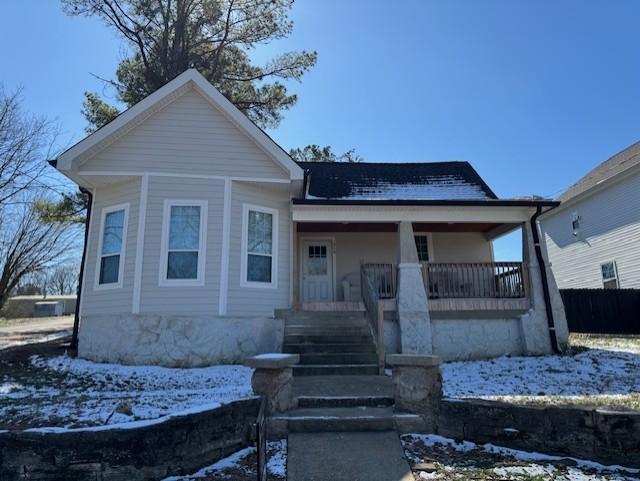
x=602, y=311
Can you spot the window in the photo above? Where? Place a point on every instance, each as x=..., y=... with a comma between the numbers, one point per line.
x=259, y=246
x=422, y=246
x=183, y=241
x=113, y=233
x=609, y=275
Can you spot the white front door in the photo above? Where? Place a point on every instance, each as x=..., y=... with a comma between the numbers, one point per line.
x=317, y=271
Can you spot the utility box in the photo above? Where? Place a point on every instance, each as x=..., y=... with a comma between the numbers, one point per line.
x=48, y=309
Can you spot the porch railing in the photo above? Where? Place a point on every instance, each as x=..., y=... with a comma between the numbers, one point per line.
x=475, y=280
x=383, y=277
x=374, y=306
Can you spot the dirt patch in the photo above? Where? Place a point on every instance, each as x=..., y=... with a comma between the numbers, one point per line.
x=243, y=465
x=432, y=457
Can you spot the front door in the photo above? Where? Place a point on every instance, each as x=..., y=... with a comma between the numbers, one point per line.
x=317, y=271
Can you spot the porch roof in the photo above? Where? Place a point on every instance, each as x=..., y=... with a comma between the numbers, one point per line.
x=493, y=211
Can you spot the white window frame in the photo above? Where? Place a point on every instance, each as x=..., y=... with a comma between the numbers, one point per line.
x=274, y=247
x=163, y=281
x=615, y=273
x=123, y=247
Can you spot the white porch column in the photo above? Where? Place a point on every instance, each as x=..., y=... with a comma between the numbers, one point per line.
x=413, y=305
x=533, y=324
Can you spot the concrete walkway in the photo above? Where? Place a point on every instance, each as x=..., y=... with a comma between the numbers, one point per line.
x=347, y=456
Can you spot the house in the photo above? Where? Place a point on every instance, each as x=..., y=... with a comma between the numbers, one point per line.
x=204, y=234
x=593, y=237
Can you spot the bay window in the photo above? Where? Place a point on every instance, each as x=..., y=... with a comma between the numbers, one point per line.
x=113, y=234
x=259, y=246
x=183, y=243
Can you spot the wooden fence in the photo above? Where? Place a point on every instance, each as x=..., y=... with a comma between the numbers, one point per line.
x=602, y=311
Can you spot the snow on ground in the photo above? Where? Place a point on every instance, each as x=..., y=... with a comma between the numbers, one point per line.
x=241, y=466
x=69, y=392
x=446, y=459
x=609, y=374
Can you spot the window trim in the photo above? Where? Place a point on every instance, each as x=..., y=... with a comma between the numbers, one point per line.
x=274, y=247
x=163, y=281
x=123, y=247
x=615, y=272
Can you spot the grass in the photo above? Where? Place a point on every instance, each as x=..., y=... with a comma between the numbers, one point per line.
x=614, y=342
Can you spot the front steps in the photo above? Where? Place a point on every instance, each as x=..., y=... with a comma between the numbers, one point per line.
x=336, y=384
x=337, y=343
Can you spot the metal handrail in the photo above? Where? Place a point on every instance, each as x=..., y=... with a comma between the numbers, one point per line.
x=502, y=280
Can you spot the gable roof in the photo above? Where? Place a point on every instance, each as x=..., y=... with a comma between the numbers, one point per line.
x=133, y=116
x=367, y=181
x=615, y=165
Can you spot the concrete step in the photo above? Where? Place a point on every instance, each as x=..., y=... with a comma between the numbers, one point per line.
x=339, y=358
x=344, y=402
x=326, y=331
x=336, y=338
x=335, y=370
x=314, y=315
x=307, y=420
x=304, y=348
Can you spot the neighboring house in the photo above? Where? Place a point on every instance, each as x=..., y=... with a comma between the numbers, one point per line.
x=202, y=227
x=593, y=237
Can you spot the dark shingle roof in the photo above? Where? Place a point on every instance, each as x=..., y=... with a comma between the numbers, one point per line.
x=620, y=162
x=395, y=181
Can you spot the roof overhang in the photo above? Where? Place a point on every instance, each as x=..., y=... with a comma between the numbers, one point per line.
x=100, y=139
x=490, y=211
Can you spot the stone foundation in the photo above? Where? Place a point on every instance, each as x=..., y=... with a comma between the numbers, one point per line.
x=176, y=341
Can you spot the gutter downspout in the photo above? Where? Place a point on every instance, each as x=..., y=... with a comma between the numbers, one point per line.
x=545, y=281
x=76, y=318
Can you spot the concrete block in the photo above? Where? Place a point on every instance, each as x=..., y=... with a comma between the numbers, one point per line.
x=272, y=361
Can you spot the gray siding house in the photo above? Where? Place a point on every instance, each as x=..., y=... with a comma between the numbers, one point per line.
x=593, y=237
x=205, y=235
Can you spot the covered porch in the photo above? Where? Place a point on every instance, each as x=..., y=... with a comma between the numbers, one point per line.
x=425, y=274
x=334, y=259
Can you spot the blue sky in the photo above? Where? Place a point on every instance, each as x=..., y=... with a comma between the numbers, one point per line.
x=533, y=94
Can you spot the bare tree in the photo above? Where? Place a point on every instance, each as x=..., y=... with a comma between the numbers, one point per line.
x=62, y=279
x=23, y=141
x=30, y=245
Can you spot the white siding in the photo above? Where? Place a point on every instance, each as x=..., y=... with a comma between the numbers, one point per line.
x=461, y=247
x=258, y=301
x=182, y=300
x=609, y=231
x=110, y=301
x=188, y=136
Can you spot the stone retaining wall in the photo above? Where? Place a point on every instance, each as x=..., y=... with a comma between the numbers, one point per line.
x=176, y=446
x=609, y=437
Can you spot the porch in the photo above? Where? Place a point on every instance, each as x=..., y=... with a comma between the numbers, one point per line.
x=332, y=263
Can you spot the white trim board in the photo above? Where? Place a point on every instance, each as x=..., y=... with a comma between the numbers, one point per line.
x=123, y=247
x=142, y=219
x=118, y=173
x=224, y=251
x=274, y=246
x=199, y=281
